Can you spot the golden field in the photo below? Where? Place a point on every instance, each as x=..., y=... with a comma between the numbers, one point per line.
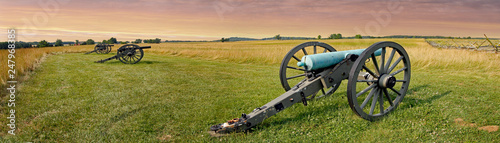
x=422, y=55
x=26, y=59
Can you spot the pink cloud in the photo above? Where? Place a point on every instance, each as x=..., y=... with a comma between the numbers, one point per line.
x=252, y=18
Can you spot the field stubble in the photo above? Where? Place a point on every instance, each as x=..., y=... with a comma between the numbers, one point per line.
x=422, y=55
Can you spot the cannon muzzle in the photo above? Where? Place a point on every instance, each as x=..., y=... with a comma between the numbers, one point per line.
x=145, y=47
x=323, y=60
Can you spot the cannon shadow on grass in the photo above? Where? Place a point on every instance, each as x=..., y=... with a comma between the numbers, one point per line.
x=138, y=63
x=412, y=102
x=301, y=116
x=149, y=62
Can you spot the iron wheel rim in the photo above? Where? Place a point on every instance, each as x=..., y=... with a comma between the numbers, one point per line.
x=292, y=55
x=377, y=95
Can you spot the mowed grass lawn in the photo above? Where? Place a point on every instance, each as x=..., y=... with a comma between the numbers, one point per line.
x=176, y=99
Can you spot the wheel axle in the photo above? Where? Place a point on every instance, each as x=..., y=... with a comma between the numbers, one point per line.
x=386, y=81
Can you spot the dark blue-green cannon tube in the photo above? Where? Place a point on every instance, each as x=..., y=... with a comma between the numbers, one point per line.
x=323, y=60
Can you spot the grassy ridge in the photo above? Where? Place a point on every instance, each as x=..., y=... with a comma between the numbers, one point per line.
x=174, y=98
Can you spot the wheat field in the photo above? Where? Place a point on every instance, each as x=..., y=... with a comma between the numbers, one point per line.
x=422, y=55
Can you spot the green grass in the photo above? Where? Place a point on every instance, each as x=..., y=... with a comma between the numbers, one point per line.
x=169, y=98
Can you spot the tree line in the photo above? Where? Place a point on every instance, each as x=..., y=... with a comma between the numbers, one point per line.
x=59, y=42
x=112, y=40
x=5, y=45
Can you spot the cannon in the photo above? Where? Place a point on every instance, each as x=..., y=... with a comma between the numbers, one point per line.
x=101, y=49
x=377, y=81
x=128, y=54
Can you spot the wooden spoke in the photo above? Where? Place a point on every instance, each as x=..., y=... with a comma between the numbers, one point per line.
x=300, y=75
x=365, y=90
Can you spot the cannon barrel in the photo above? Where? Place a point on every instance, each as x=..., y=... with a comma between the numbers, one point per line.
x=99, y=45
x=323, y=60
x=145, y=47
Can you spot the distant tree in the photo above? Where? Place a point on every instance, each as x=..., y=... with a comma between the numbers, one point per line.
x=42, y=44
x=77, y=42
x=4, y=45
x=469, y=37
x=332, y=36
x=157, y=40
x=137, y=41
x=24, y=45
x=122, y=42
x=112, y=41
x=18, y=44
x=149, y=41
x=338, y=36
x=58, y=43
x=335, y=36
x=90, y=42
x=277, y=37
x=358, y=37
x=224, y=39
x=319, y=37
x=104, y=42
x=127, y=42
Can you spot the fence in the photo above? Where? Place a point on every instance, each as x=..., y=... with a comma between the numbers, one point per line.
x=471, y=44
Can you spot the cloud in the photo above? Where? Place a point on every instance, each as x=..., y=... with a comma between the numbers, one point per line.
x=250, y=18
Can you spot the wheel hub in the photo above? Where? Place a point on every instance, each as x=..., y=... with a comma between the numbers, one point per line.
x=386, y=81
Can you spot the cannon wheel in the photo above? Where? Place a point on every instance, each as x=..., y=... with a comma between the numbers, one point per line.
x=291, y=74
x=131, y=54
x=102, y=48
x=97, y=49
x=108, y=48
x=385, y=82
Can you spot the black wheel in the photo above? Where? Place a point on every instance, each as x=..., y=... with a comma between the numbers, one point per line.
x=97, y=49
x=385, y=80
x=102, y=48
x=131, y=54
x=108, y=49
x=291, y=74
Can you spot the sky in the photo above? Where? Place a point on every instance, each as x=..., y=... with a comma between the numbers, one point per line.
x=127, y=20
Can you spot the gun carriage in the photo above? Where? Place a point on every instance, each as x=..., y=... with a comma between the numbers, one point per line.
x=101, y=49
x=377, y=80
x=128, y=54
